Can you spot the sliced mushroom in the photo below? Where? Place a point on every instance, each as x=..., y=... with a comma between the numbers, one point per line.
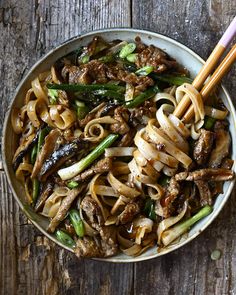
x=46, y=151
x=24, y=148
x=48, y=189
x=59, y=157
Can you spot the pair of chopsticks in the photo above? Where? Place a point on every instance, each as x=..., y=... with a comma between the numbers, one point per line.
x=184, y=109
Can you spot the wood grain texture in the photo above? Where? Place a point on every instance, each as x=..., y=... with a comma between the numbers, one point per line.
x=29, y=262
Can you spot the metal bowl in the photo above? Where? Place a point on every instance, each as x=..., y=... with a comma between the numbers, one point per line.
x=183, y=55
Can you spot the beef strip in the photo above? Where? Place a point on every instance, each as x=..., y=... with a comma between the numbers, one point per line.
x=130, y=210
x=47, y=191
x=59, y=157
x=97, y=71
x=103, y=246
x=203, y=147
x=106, y=245
x=74, y=75
x=128, y=138
x=227, y=163
x=204, y=192
x=171, y=193
x=147, y=109
x=108, y=240
x=208, y=174
x=140, y=83
x=93, y=212
x=104, y=165
x=95, y=113
x=152, y=56
x=46, y=151
x=121, y=114
x=222, y=146
x=65, y=206
x=88, y=247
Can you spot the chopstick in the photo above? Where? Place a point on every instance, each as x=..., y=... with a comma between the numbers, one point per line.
x=208, y=67
x=214, y=80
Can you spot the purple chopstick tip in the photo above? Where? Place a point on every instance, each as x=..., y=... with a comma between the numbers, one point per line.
x=229, y=34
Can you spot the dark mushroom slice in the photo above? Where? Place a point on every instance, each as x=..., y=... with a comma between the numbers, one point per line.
x=46, y=151
x=47, y=191
x=65, y=206
x=59, y=157
x=24, y=148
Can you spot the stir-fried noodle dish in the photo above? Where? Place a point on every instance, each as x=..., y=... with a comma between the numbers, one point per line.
x=102, y=156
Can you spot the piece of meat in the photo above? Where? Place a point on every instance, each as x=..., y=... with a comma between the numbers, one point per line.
x=75, y=75
x=221, y=150
x=173, y=188
x=97, y=71
x=204, y=192
x=140, y=83
x=208, y=174
x=93, y=212
x=103, y=246
x=47, y=191
x=121, y=115
x=147, y=109
x=46, y=151
x=88, y=247
x=171, y=193
x=65, y=206
x=128, y=138
x=227, y=163
x=60, y=156
x=95, y=113
x=104, y=165
x=109, y=108
x=153, y=56
x=108, y=240
x=130, y=210
x=203, y=147
x=221, y=124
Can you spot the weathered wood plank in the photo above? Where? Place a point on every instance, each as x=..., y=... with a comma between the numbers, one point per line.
x=190, y=270
x=29, y=263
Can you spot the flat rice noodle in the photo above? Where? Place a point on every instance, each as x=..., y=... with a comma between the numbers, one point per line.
x=168, y=222
x=157, y=136
x=195, y=98
x=122, y=188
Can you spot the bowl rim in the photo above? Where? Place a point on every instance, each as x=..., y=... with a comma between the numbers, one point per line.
x=7, y=118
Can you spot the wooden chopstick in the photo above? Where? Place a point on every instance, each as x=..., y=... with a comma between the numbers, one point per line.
x=214, y=80
x=208, y=67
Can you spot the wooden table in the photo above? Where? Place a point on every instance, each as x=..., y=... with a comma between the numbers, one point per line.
x=29, y=262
